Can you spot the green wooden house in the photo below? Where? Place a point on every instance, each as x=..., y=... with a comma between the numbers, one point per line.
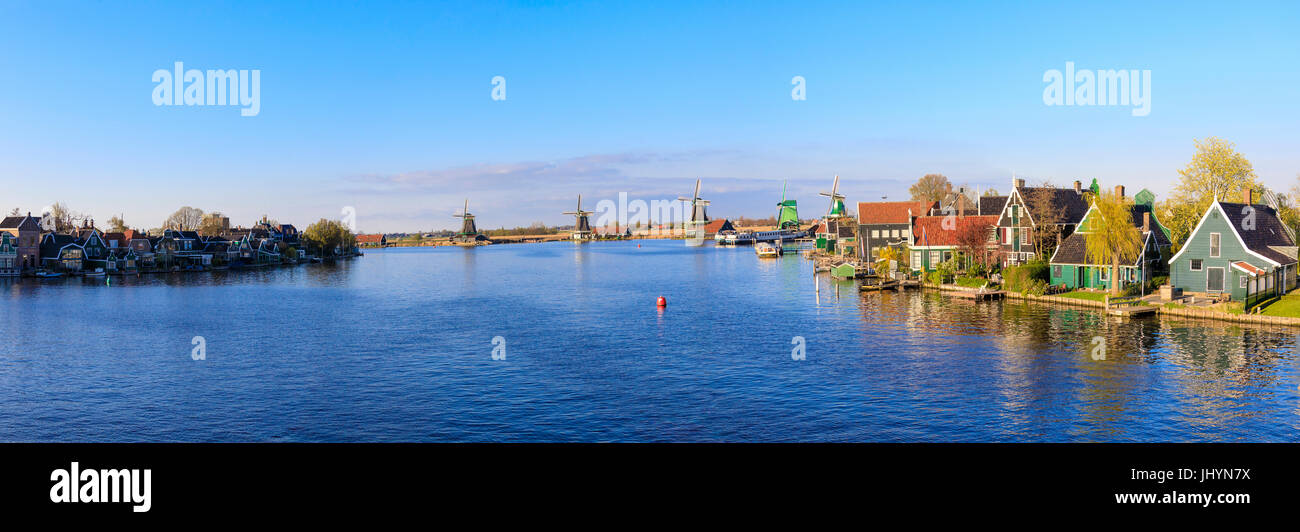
x=1071, y=268
x=1238, y=249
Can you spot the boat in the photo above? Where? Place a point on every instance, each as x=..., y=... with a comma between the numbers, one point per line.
x=787, y=227
x=49, y=275
x=766, y=250
x=98, y=272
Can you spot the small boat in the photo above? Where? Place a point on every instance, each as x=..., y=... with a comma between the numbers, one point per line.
x=49, y=275
x=765, y=250
x=99, y=272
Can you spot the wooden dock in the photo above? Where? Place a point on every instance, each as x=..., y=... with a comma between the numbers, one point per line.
x=990, y=295
x=876, y=287
x=1127, y=307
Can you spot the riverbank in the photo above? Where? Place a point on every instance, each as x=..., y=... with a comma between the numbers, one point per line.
x=1161, y=310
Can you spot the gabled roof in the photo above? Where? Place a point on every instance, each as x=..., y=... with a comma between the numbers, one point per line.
x=370, y=239
x=1248, y=268
x=930, y=231
x=1268, y=234
x=716, y=225
x=22, y=223
x=1068, y=206
x=892, y=212
x=992, y=205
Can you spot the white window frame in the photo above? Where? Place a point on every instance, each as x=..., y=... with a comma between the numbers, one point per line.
x=1105, y=273
x=1192, y=265
x=1024, y=236
x=1243, y=281
x=935, y=258
x=875, y=233
x=916, y=259
x=1216, y=241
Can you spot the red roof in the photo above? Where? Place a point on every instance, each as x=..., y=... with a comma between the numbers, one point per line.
x=369, y=239
x=714, y=226
x=930, y=231
x=1249, y=268
x=892, y=212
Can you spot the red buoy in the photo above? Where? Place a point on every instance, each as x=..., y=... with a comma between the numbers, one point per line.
x=662, y=302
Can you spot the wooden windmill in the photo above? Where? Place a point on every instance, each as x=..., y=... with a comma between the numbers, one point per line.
x=468, y=231
x=836, y=210
x=828, y=232
x=581, y=225
x=698, y=216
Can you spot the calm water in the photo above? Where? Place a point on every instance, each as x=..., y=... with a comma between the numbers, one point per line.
x=397, y=345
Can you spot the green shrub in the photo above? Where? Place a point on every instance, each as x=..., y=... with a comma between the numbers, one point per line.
x=1022, y=277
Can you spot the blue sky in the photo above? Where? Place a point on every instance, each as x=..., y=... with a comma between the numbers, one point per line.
x=387, y=108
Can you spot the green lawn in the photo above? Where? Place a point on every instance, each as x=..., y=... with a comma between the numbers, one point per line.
x=1288, y=306
x=1080, y=294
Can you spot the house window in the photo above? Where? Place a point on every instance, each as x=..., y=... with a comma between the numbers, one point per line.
x=1024, y=236
x=1214, y=245
x=1105, y=274
x=1006, y=234
x=934, y=258
x=916, y=258
x=947, y=256
x=1243, y=282
x=893, y=234
x=1214, y=280
x=1056, y=271
x=875, y=233
x=1196, y=265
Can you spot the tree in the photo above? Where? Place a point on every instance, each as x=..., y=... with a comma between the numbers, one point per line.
x=1216, y=172
x=973, y=242
x=931, y=187
x=184, y=219
x=327, y=235
x=212, y=224
x=15, y=212
x=60, y=219
x=992, y=192
x=116, y=224
x=1112, y=237
x=1049, y=214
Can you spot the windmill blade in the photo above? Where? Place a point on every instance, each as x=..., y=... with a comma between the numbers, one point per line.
x=580, y=202
x=697, y=189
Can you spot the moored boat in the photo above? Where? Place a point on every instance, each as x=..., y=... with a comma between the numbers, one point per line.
x=766, y=250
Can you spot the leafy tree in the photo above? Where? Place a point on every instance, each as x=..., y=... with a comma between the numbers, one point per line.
x=931, y=187
x=327, y=235
x=1112, y=237
x=1216, y=171
x=992, y=192
x=184, y=219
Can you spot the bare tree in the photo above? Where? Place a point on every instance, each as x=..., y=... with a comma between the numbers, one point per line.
x=1048, y=213
x=184, y=219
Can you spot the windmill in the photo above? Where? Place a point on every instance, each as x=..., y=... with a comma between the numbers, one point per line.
x=581, y=226
x=787, y=216
x=468, y=231
x=828, y=233
x=836, y=210
x=698, y=217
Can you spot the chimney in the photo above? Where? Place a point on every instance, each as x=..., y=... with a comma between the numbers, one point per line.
x=1078, y=187
x=1146, y=221
x=1119, y=190
x=961, y=205
x=1018, y=183
x=1246, y=196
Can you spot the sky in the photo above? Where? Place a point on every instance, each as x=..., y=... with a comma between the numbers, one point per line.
x=387, y=109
